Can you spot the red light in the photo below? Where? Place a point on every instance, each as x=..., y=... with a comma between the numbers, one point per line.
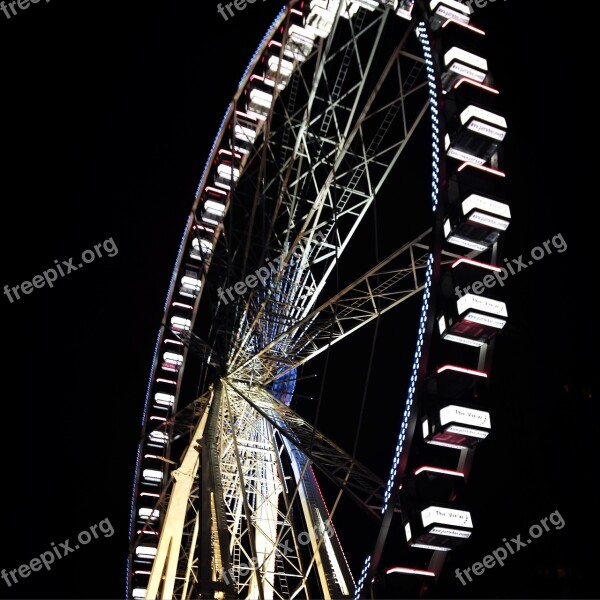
x=487, y=88
x=476, y=263
x=181, y=305
x=482, y=168
x=466, y=25
x=229, y=153
x=215, y=190
x=461, y=370
x=407, y=571
x=438, y=470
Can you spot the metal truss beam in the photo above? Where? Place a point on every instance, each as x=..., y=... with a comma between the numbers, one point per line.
x=361, y=485
x=385, y=286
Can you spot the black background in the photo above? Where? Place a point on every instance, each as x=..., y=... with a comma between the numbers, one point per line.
x=107, y=114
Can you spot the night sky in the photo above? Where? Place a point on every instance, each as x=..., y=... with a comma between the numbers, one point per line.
x=107, y=114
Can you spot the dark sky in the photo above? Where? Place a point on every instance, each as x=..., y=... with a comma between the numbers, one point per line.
x=107, y=113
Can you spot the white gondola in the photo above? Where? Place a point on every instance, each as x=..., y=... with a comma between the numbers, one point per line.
x=431, y=511
x=164, y=400
x=442, y=10
x=190, y=283
x=152, y=476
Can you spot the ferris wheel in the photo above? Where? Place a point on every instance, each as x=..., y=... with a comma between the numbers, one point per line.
x=227, y=501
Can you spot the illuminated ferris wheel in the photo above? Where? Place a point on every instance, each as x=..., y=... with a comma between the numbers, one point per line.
x=226, y=500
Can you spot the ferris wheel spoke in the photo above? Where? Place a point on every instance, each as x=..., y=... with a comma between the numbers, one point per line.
x=322, y=215
x=344, y=471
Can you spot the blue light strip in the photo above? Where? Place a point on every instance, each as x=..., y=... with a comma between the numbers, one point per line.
x=435, y=193
x=413, y=382
x=435, y=114
x=435, y=170
x=361, y=580
x=269, y=33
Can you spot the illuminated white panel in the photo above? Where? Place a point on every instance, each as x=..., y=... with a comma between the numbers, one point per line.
x=173, y=358
x=429, y=547
x=181, y=323
x=466, y=71
x=487, y=130
x=475, y=201
x=160, y=437
x=200, y=245
x=368, y=4
x=164, y=399
x=139, y=593
x=300, y=43
x=152, y=475
x=284, y=67
x=468, y=301
x=191, y=281
x=447, y=228
x=216, y=208
x=145, y=551
x=408, y=532
x=451, y=9
x=485, y=320
x=148, y=514
x=459, y=339
x=445, y=445
x=425, y=428
x=260, y=104
x=489, y=221
x=465, y=243
x=468, y=431
x=442, y=324
x=484, y=115
x=228, y=172
x=464, y=156
x=301, y=33
x=405, y=8
x=320, y=18
x=465, y=57
x=451, y=532
x=466, y=416
x=246, y=134
x=446, y=516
